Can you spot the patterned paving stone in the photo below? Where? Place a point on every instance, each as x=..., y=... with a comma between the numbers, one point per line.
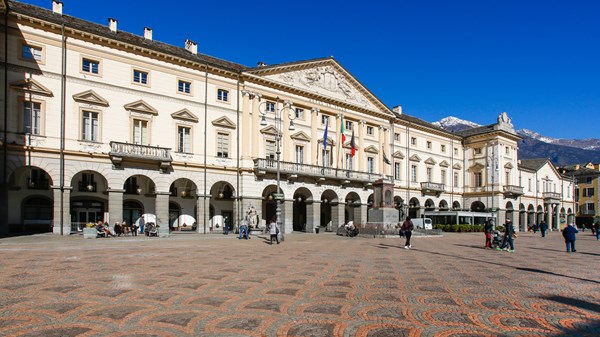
x=196, y=285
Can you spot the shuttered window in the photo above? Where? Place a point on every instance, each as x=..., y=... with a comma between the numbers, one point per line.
x=222, y=145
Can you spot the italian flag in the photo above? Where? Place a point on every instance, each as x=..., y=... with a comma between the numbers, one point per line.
x=343, y=129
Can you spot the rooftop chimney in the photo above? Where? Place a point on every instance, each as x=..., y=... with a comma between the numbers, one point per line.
x=191, y=46
x=397, y=109
x=261, y=64
x=57, y=7
x=112, y=24
x=147, y=33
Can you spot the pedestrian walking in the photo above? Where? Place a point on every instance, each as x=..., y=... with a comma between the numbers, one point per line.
x=569, y=235
x=487, y=229
x=407, y=226
x=274, y=230
x=597, y=228
x=509, y=234
x=543, y=228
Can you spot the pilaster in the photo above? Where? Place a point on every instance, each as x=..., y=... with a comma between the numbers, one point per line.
x=162, y=213
x=115, y=205
x=314, y=136
x=337, y=215
x=66, y=210
x=313, y=216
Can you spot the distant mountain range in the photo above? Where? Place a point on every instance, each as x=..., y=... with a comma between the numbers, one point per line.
x=560, y=151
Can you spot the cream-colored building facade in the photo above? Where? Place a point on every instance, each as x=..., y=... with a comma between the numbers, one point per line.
x=104, y=124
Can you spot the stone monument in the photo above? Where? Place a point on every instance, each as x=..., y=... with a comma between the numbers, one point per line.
x=383, y=210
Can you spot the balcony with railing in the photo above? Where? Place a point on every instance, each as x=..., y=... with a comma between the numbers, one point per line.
x=294, y=171
x=551, y=197
x=429, y=188
x=512, y=191
x=136, y=152
x=587, y=211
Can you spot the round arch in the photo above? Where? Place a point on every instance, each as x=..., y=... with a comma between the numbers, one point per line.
x=456, y=205
x=329, y=219
x=477, y=206
x=37, y=214
x=303, y=198
x=443, y=205
x=222, y=197
x=414, y=207
x=352, y=210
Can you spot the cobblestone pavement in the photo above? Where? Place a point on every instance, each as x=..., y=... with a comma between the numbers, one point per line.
x=310, y=285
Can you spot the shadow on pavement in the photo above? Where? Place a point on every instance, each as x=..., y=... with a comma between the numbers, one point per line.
x=582, y=329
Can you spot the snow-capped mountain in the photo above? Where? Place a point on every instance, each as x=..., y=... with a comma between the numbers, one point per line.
x=560, y=151
x=454, y=124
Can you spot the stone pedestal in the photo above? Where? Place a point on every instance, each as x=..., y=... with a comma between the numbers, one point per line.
x=384, y=215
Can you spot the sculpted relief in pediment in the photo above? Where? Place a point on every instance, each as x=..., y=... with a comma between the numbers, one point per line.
x=327, y=81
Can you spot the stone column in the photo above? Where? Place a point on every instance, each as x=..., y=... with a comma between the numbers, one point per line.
x=380, y=163
x=162, y=213
x=287, y=214
x=235, y=222
x=246, y=126
x=255, y=126
x=337, y=216
x=557, y=218
x=363, y=213
x=549, y=217
x=313, y=216
x=66, y=208
x=115, y=205
x=203, y=226
x=314, y=151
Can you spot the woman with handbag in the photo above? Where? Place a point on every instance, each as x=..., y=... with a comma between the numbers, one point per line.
x=407, y=227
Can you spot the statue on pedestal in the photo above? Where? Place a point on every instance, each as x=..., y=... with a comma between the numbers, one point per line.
x=252, y=217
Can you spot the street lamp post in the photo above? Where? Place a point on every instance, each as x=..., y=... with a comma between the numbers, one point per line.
x=492, y=165
x=264, y=108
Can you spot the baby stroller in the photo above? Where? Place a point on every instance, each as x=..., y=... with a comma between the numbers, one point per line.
x=496, y=239
x=151, y=229
x=244, y=232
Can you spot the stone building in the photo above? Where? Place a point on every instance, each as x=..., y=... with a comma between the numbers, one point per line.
x=98, y=123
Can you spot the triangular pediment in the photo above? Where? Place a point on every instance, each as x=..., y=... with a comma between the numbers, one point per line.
x=414, y=157
x=348, y=144
x=457, y=166
x=301, y=136
x=476, y=167
x=330, y=141
x=224, y=122
x=31, y=86
x=269, y=130
x=430, y=161
x=508, y=165
x=371, y=149
x=186, y=115
x=444, y=164
x=141, y=106
x=322, y=78
x=90, y=97
x=398, y=154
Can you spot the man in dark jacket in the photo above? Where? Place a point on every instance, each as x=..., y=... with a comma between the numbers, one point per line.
x=407, y=226
x=543, y=228
x=569, y=235
x=509, y=232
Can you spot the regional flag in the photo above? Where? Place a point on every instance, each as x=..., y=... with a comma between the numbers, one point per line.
x=343, y=129
x=352, y=145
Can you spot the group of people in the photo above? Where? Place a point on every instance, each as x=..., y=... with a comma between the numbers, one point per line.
x=542, y=227
x=120, y=228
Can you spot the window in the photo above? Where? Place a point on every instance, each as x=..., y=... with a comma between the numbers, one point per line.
x=507, y=182
x=270, y=150
x=371, y=165
x=588, y=180
x=529, y=184
x=222, y=145
x=413, y=173
x=589, y=208
x=588, y=192
x=299, y=113
x=270, y=106
x=32, y=118
x=507, y=150
x=397, y=171
x=443, y=148
x=31, y=53
x=413, y=141
x=87, y=183
x=397, y=137
x=38, y=180
x=478, y=179
x=223, y=95
x=455, y=179
x=184, y=87
x=89, y=128
x=369, y=130
x=348, y=161
x=429, y=174
x=184, y=143
x=326, y=157
x=140, y=132
x=324, y=119
x=477, y=150
x=140, y=76
x=456, y=151
x=90, y=66
x=443, y=176
x=429, y=145
x=349, y=125
x=299, y=154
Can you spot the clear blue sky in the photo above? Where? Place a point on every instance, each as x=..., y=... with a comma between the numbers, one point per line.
x=537, y=60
